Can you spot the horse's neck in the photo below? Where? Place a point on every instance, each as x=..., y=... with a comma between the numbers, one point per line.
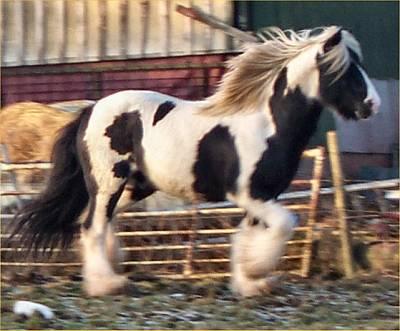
x=295, y=117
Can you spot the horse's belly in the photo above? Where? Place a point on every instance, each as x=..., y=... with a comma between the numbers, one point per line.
x=171, y=175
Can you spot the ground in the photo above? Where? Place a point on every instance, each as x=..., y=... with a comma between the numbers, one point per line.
x=362, y=303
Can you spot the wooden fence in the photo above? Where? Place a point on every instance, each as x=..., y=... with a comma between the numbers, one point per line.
x=185, y=244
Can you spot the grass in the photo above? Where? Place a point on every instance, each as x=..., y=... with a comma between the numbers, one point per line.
x=295, y=304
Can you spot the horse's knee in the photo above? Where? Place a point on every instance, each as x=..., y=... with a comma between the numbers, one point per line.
x=280, y=220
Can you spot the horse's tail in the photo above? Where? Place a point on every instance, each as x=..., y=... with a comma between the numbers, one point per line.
x=52, y=219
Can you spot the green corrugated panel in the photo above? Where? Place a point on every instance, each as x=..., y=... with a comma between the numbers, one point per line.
x=374, y=23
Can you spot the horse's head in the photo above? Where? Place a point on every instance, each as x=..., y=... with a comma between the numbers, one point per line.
x=349, y=90
x=323, y=64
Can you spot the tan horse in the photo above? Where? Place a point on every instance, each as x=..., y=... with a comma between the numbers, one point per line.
x=27, y=132
x=28, y=129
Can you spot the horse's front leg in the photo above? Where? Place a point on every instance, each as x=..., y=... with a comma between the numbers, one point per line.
x=258, y=246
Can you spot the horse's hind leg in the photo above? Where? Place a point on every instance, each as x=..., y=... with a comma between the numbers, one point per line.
x=98, y=273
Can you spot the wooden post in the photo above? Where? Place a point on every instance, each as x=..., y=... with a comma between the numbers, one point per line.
x=319, y=159
x=188, y=266
x=14, y=181
x=337, y=177
x=199, y=15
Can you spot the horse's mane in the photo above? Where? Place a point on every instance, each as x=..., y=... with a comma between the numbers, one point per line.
x=243, y=86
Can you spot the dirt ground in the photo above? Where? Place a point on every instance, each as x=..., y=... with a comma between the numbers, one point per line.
x=362, y=303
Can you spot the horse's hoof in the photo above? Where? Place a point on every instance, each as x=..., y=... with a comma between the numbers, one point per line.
x=106, y=285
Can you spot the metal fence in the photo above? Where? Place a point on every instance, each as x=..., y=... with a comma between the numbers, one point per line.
x=185, y=244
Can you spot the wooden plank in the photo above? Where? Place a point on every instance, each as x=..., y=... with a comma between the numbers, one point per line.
x=165, y=26
x=14, y=182
x=209, y=32
x=102, y=29
x=312, y=216
x=4, y=29
x=19, y=31
x=80, y=29
x=40, y=17
x=64, y=18
x=190, y=24
x=86, y=33
x=145, y=22
x=199, y=15
x=345, y=236
x=124, y=27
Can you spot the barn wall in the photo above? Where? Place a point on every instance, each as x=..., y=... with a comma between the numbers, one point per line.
x=374, y=23
x=190, y=77
x=59, y=31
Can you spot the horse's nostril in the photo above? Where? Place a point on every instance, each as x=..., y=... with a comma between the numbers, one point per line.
x=369, y=103
x=372, y=105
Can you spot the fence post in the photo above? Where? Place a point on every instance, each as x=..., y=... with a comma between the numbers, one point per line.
x=319, y=158
x=344, y=233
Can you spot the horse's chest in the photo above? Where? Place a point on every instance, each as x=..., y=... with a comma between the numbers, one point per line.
x=274, y=170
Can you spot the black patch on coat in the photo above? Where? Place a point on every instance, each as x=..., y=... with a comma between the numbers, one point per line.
x=121, y=169
x=125, y=132
x=217, y=166
x=296, y=119
x=112, y=202
x=347, y=94
x=141, y=186
x=162, y=111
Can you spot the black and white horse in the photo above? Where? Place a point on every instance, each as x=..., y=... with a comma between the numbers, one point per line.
x=243, y=144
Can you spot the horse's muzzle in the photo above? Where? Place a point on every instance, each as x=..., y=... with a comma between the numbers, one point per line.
x=366, y=109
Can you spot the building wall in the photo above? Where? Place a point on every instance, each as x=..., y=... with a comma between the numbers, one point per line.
x=60, y=31
x=374, y=23
x=189, y=77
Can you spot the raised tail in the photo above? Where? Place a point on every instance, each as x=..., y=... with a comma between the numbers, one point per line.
x=51, y=220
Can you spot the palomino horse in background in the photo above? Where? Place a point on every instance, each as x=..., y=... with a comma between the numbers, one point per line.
x=28, y=129
x=27, y=134
x=243, y=143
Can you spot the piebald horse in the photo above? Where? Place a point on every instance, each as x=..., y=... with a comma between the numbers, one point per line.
x=243, y=143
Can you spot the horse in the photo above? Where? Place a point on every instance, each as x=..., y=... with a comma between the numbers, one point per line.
x=241, y=144
x=28, y=129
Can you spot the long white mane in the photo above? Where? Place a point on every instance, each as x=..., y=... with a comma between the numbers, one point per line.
x=242, y=88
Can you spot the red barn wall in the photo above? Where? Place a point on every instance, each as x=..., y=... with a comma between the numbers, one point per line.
x=189, y=77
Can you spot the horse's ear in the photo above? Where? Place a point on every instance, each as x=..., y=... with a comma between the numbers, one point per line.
x=333, y=41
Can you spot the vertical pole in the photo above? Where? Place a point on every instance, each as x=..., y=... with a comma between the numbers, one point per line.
x=40, y=30
x=20, y=31
x=103, y=28
x=145, y=19
x=344, y=232
x=165, y=26
x=124, y=39
x=319, y=159
x=13, y=176
x=188, y=267
x=63, y=23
